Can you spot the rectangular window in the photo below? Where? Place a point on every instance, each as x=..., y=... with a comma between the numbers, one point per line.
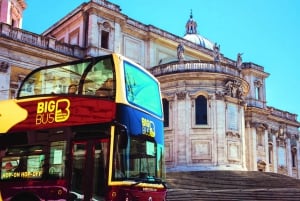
x=166, y=112
x=104, y=39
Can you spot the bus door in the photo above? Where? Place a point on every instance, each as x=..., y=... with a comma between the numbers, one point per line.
x=88, y=170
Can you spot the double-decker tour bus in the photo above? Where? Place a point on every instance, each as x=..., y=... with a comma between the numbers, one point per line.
x=85, y=130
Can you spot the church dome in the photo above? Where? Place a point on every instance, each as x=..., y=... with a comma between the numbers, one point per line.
x=192, y=35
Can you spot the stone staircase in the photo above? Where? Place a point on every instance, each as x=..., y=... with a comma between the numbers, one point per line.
x=231, y=185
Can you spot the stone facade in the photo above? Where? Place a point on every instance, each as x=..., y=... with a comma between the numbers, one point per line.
x=216, y=115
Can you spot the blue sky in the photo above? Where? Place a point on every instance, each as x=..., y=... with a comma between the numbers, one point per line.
x=266, y=32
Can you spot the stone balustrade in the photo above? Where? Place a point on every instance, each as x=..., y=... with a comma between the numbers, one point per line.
x=195, y=66
x=39, y=41
x=282, y=114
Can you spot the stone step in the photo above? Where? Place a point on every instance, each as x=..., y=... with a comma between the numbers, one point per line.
x=231, y=185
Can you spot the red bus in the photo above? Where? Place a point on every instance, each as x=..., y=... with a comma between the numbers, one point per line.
x=91, y=129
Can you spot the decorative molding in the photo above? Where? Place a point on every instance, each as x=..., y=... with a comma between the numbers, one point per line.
x=169, y=151
x=232, y=135
x=220, y=95
x=168, y=96
x=201, y=149
x=281, y=135
x=259, y=125
x=181, y=95
x=233, y=153
x=194, y=95
x=258, y=83
x=4, y=66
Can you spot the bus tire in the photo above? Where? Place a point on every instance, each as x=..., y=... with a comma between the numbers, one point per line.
x=25, y=197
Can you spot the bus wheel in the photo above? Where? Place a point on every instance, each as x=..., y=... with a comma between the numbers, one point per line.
x=25, y=197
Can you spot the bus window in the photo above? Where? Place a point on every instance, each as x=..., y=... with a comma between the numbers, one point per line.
x=137, y=161
x=23, y=163
x=57, y=159
x=53, y=80
x=100, y=79
x=100, y=168
x=78, y=169
x=119, y=169
x=142, y=158
x=142, y=90
x=89, y=169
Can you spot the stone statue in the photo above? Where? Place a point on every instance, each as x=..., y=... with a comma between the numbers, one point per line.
x=180, y=51
x=239, y=60
x=234, y=89
x=216, y=50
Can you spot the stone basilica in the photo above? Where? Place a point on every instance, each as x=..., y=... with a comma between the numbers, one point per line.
x=216, y=117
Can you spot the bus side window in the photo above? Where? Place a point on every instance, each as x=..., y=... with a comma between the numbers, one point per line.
x=121, y=142
x=106, y=89
x=122, y=138
x=57, y=159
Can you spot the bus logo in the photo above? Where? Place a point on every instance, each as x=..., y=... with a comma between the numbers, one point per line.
x=48, y=112
x=148, y=127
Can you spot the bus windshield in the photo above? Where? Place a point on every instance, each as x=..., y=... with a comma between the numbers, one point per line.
x=91, y=77
x=140, y=160
x=139, y=86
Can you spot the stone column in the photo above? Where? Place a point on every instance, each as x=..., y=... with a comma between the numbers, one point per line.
x=289, y=157
x=298, y=159
x=117, y=39
x=266, y=145
x=92, y=35
x=275, y=159
x=243, y=139
x=5, y=75
x=181, y=134
x=251, y=151
x=254, y=149
x=221, y=143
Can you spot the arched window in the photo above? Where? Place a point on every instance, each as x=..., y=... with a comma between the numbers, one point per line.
x=166, y=112
x=201, y=110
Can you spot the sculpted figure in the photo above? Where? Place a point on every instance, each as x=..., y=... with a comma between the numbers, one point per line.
x=239, y=60
x=180, y=51
x=216, y=50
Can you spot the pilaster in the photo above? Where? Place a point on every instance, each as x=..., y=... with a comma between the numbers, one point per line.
x=266, y=145
x=289, y=157
x=298, y=158
x=275, y=158
x=220, y=132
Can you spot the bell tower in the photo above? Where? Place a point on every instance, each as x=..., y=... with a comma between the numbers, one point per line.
x=11, y=12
